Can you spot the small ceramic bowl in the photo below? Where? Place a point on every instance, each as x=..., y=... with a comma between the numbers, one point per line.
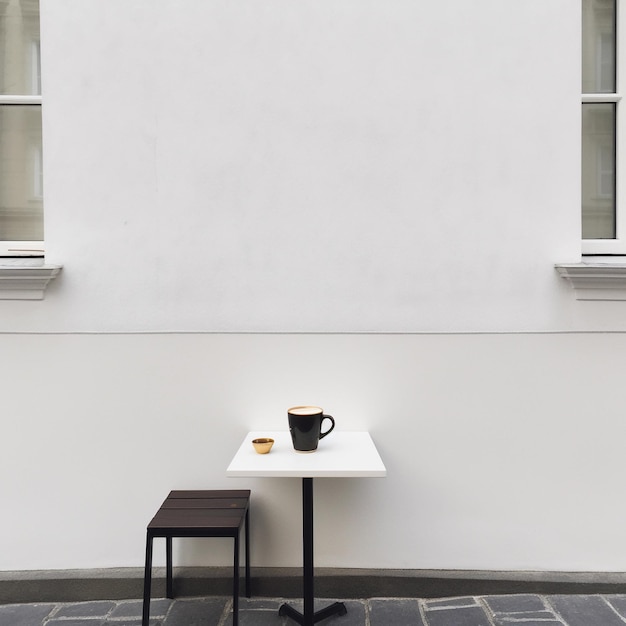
x=263, y=445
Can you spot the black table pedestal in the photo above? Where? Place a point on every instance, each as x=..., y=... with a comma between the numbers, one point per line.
x=309, y=617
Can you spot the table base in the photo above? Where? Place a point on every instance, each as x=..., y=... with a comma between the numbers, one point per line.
x=309, y=616
x=337, y=608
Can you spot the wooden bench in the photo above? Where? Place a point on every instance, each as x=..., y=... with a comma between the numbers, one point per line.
x=218, y=513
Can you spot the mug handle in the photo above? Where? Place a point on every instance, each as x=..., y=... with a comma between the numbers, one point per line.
x=332, y=419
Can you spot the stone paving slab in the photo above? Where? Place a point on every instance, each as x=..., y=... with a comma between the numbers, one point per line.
x=510, y=605
x=496, y=610
x=619, y=604
x=523, y=609
x=459, y=616
x=385, y=612
x=133, y=608
x=585, y=610
x=99, y=608
x=196, y=612
x=24, y=614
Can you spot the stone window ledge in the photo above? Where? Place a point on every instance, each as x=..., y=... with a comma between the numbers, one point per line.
x=25, y=278
x=595, y=281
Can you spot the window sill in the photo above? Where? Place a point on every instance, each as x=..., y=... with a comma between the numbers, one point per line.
x=25, y=278
x=595, y=281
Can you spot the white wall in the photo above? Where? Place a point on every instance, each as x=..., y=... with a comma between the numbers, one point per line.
x=343, y=165
x=245, y=197
x=503, y=451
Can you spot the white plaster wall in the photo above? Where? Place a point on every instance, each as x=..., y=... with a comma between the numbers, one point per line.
x=218, y=174
x=503, y=451
x=342, y=165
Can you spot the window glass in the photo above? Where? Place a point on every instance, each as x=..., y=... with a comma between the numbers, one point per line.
x=21, y=202
x=19, y=47
x=598, y=171
x=598, y=46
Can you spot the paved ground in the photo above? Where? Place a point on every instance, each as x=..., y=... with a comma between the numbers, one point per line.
x=509, y=610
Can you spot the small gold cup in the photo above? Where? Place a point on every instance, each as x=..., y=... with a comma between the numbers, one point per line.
x=263, y=445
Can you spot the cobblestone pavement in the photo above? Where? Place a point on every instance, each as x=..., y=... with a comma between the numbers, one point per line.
x=504, y=610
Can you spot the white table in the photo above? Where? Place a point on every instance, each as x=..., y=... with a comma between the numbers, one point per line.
x=340, y=455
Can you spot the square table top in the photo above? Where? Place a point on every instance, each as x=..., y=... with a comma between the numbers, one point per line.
x=340, y=454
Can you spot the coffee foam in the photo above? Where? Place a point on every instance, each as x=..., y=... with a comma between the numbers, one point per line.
x=305, y=410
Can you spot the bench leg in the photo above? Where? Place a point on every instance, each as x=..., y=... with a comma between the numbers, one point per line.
x=236, y=582
x=247, y=541
x=147, y=582
x=169, y=585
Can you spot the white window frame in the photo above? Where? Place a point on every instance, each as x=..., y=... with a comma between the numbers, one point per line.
x=21, y=248
x=616, y=246
x=26, y=248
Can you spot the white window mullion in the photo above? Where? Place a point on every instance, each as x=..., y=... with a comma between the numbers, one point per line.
x=11, y=99
x=620, y=136
x=590, y=98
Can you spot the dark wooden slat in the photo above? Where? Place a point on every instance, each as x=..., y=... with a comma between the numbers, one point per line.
x=197, y=517
x=210, y=493
x=202, y=503
x=183, y=514
x=215, y=522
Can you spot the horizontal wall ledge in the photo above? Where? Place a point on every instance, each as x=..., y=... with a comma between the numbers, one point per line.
x=127, y=583
x=25, y=278
x=595, y=281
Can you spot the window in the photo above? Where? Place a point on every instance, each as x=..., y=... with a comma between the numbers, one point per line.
x=602, y=273
x=21, y=176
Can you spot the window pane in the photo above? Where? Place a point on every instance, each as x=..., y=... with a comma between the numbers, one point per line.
x=21, y=185
x=598, y=171
x=598, y=71
x=19, y=47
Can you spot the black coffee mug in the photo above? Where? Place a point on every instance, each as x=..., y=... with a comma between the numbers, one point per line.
x=305, y=426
